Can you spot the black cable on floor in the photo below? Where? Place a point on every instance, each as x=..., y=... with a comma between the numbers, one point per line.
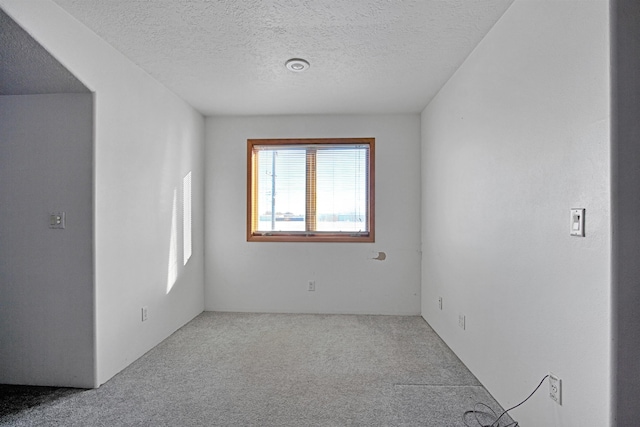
x=496, y=421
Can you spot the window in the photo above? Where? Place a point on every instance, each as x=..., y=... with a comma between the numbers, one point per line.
x=303, y=190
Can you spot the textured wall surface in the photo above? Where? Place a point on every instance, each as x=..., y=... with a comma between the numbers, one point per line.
x=46, y=276
x=518, y=137
x=146, y=140
x=27, y=68
x=227, y=57
x=272, y=277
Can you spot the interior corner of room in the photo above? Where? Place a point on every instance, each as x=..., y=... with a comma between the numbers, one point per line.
x=124, y=209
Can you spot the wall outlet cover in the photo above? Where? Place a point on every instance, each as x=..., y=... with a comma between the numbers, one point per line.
x=57, y=220
x=555, y=388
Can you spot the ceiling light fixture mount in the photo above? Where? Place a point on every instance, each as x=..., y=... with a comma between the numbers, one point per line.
x=297, y=65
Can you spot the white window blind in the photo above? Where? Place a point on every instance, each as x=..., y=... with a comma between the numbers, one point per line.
x=311, y=188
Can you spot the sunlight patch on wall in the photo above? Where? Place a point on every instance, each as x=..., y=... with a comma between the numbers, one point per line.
x=186, y=218
x=172, y=272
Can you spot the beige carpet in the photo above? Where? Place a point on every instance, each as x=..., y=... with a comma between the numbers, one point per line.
x=229, y=369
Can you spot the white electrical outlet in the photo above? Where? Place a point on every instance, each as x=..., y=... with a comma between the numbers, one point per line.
x=57, y=220
x=312, y=286
x=555, y=389
x=440, y=303
x=145, y=313
x=462, y=321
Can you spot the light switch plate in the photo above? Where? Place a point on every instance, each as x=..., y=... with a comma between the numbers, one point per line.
x=577, y=222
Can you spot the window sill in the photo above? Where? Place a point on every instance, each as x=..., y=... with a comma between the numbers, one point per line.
x=311, y=237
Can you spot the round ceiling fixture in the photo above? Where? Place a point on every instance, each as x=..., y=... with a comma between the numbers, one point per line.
x=297, y=65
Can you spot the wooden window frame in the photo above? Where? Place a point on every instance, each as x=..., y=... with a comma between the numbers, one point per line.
x=309, y=235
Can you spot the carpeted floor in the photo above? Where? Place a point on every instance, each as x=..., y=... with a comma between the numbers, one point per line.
x=229, y=369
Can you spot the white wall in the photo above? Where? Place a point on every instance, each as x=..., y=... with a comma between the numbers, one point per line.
x=517, y=137
x=46, y=276
x=272, y=277
x=146, y=140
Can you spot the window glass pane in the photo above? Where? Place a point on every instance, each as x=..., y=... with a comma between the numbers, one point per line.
x=310, y=190
x=281, y=189
x=341, y=189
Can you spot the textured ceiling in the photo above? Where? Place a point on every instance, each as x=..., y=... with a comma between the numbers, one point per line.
x=227, y=57
x=27, y=68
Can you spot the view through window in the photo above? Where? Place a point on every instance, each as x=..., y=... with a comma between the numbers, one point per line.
x=310, y=189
